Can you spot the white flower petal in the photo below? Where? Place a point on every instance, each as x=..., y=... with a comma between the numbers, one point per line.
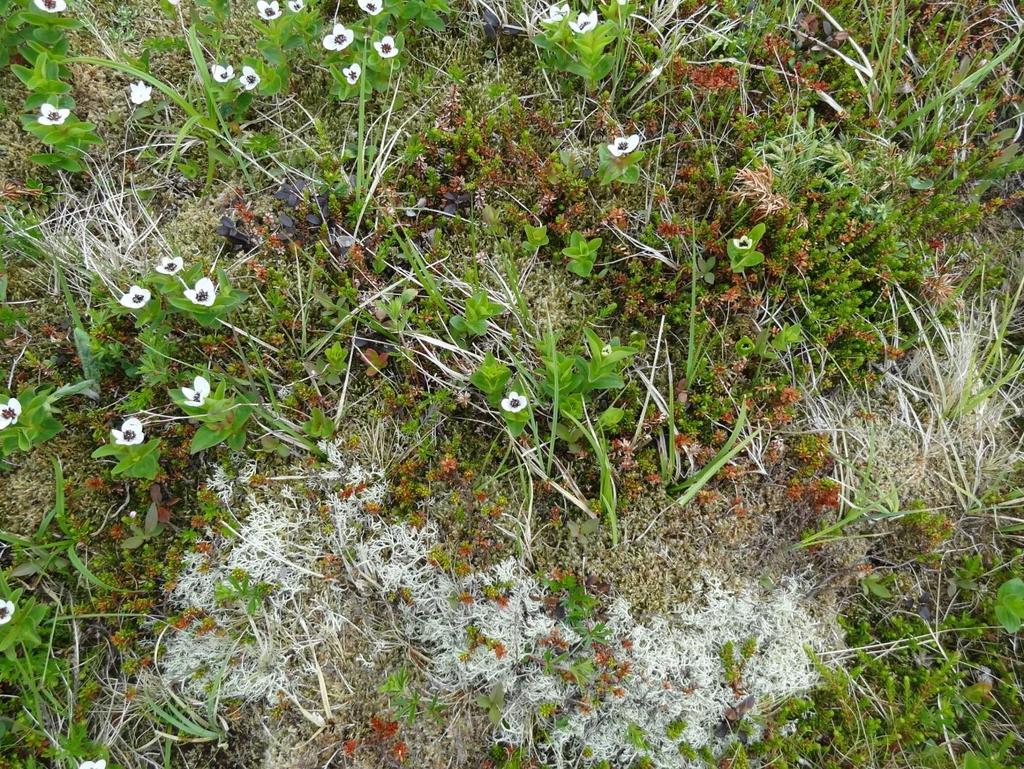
x=6, y=612
x=624, y=145
x=130, y=434
x=249, y=78
x=339, y=39
x=135, y=297
x=196, y=394
x=204, y=293
x=9, y=412
x=222, y=73
x=296, y=5
x=140, y=92
x=372, y=7
x=352, y=73
x=51, y=115
x=385, y=47
x=555, y=13
x=170, y=265
x=51, y=6
x=584, y=22
x=513, y=402
x=268, y=10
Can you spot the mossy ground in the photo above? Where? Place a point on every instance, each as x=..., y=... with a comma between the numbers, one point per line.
x=866, y=221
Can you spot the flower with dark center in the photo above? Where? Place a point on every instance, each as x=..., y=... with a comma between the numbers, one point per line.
x=222, y=73
x=352, y=73
x=584, y=22
x=135, y=297
x=204, y=293
x=386, y=47
x=196, y=394
x=249, y=79
x=623, y=145
x=9, y=412
x=339, y=39
x=51, y=115
x=268, y=10
x=555, y=13
x=513, y=402
x=170, y=266
x=130, y=434
x=51, y=6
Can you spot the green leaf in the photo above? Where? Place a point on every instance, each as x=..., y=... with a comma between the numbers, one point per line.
x=582, y=254
x=1008, y=619
x=1009, y=608
x=490, y=377
x=873, y=584
x=206, y=438
x=536, y=237
x=610, y=417
x=139, y=461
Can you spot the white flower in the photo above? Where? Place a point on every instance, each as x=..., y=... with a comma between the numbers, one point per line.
x=268, y=11
x=352, y=73
x=51, y=6
x=170, y=265
x=249, y=79
x=514, y=402
x=9, y=412
x=6, y=611
x=584, y=22
x=130, y=434
x=623, y=145
x=339, y=39
x=196, y=394
x=135, y=297
x=372, y=7
x=50, y=115
x=296, y=5
x=140, y=93
x=222, y=73
x=386, y=47
x=99, y=763
x=555, y=13
x=205, y=292
x=742, y=244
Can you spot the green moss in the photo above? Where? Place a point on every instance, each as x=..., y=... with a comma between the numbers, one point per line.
x=929, y=700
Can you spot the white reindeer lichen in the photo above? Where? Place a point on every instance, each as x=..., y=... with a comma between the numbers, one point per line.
x=675, y=673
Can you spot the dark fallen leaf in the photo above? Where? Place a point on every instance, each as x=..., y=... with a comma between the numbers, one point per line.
x=229, y=230
x=492, y=24
x=809, y=23
x=290, y=193
x=736, y=712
